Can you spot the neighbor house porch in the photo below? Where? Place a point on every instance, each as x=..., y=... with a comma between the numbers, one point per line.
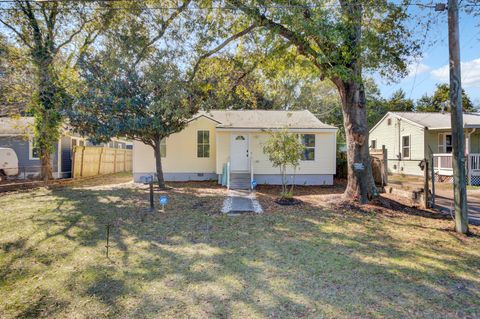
x=443, y=159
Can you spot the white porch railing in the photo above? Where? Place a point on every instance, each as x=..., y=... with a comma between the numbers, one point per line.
x=228, y=173
x=251, y=171
x=443, y=166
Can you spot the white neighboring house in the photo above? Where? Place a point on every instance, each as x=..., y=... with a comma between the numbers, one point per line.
x=228, y=146
x=410, y=137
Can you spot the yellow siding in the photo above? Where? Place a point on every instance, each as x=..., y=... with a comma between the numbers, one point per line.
x=390, y=136
x=181, y=151
x=223, y=150
x=325, y=155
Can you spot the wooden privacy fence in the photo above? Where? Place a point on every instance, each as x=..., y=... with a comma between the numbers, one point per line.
x=92, y=161
x=379, y=166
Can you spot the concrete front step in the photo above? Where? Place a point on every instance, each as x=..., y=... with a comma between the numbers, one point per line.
x=240, y=187
x=240, y=181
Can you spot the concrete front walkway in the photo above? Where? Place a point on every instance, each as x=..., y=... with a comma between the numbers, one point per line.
x=241, y=201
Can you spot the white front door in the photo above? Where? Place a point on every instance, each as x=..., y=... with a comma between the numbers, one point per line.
x=239, y=152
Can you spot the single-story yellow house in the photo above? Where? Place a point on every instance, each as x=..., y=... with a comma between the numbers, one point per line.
x=228, y=146
x=410, y=137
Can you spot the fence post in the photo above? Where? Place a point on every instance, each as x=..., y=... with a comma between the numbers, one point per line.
x=124, y=160
x=114, y=160
x=100, y=162
x=433, y=183
x=81, y=163
x=385, y=164
x=425, y=184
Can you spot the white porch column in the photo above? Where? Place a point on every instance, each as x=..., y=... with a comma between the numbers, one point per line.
x=467, y=143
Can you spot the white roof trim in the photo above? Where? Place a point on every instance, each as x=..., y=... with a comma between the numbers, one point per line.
x=398, y=117
x=378, y=123
x=204, y=115
x=261, y=129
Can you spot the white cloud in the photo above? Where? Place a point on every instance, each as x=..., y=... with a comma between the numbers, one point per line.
x=470, y=73
x=417, y=68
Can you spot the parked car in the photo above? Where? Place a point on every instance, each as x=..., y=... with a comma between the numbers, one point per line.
x=8, y=163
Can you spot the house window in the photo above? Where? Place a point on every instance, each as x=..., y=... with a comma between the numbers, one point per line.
x=373, y=144
x=445, y=143
x=448, y=143
x=203, y=144
x=405, y=146
x=389, y=122
x=308, y=142
x=34, y=150
x=163, y=147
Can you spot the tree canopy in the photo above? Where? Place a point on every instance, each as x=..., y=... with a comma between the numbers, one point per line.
x=439, y=101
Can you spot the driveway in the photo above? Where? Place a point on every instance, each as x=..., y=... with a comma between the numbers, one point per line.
x=444, y=202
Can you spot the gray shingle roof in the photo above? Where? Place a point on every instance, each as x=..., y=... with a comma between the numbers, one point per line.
x=16, y=126
x=437, y=120
x=266, y=119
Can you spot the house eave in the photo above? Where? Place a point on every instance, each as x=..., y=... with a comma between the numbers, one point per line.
x=267, y=129
x=397, y=117
x=450, y=128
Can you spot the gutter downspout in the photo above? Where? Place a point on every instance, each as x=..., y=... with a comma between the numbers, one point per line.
x=399, y=156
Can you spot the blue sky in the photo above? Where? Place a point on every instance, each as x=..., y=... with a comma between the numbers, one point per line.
x=426, y=72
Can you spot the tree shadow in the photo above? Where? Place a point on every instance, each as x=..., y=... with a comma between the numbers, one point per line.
x=299, y=261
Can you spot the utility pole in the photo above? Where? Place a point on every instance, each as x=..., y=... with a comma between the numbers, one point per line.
x=456, y=112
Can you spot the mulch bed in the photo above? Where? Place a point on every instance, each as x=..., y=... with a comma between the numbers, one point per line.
x=288, y=201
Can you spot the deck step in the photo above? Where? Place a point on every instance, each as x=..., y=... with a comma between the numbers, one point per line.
x=240, y=181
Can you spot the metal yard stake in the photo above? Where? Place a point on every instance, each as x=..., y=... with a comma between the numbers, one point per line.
x=108, y=238
x=152, y=204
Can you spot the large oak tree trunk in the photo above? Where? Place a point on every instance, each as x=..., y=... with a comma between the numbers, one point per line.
x=46, y=172
x=158, y=165
x=360, y=183
x=47, y=117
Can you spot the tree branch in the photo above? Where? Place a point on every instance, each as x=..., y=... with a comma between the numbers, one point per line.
x=22, y=38
x=89, y=39
x=37, y=35
x=72, y=36
x=243, y=75
x=162, y=30
x=302, y=44
x=218, y=48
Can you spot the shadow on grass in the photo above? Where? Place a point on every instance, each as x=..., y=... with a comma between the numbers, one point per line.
x=292, y=262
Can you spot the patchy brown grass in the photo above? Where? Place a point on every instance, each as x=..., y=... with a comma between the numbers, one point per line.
x=324, y=258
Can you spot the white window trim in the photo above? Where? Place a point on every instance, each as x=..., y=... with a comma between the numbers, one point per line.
x=409, y=146
x=314, y=147
x=441, y=144
x=79, y=139
x=209, y=144
x=30, y=149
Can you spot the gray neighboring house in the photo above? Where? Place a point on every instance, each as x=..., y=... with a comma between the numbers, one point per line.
x=17, y=133
x=410, y=137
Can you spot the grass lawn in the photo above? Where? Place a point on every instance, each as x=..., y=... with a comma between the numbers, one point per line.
x=319, y=259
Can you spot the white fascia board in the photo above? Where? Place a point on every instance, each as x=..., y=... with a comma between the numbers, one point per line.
x=294, y=130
